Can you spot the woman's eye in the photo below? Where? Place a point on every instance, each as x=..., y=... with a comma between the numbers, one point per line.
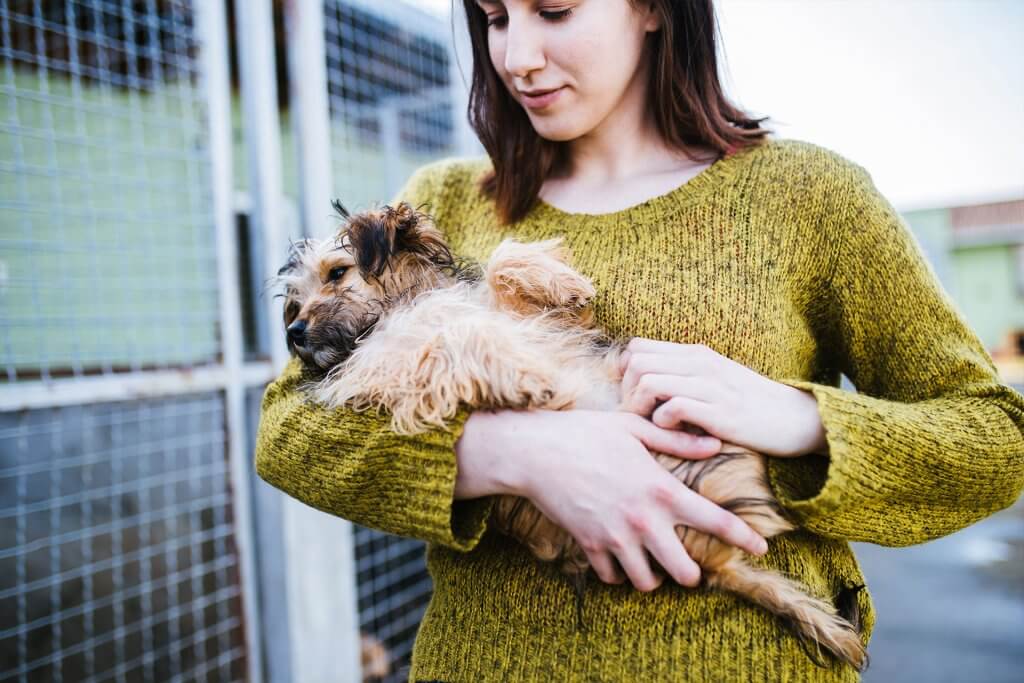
x=556, y=15
x=499, y=21
x=335, y=273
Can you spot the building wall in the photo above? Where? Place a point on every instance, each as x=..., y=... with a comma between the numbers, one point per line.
x=985, y=278
x=981, y=277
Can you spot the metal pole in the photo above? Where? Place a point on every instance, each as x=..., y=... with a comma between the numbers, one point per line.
x=307, y=66
x=324, y=603
x=391, y=147
x=213, y=26
x=255, y=29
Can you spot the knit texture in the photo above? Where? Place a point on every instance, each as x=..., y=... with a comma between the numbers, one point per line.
x=784, y=258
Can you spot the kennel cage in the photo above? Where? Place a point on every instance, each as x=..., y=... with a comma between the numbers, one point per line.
x=146, y=189
x=123, y=545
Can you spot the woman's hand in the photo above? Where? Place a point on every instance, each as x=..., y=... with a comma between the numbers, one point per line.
x=591, y=473
x=674, y=384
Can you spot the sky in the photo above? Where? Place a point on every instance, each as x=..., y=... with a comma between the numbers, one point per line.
x=927, y=95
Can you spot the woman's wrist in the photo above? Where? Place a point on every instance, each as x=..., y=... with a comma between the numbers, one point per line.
x=811, y=429
x=483, y=465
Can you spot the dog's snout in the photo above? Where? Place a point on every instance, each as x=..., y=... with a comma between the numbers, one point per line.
x=297, y=333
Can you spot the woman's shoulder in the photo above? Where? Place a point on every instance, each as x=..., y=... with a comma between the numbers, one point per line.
x=809, y=174
x=452, y=171
x=445, y=182
x=790, y=154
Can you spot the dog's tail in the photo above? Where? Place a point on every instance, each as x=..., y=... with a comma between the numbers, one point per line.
x=815, y=621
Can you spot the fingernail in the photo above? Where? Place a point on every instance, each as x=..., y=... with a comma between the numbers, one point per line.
x=762, y=546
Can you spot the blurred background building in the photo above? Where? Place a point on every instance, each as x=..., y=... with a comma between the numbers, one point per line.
x=155, y=158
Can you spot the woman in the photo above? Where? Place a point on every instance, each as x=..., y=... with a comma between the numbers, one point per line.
x=752, y=273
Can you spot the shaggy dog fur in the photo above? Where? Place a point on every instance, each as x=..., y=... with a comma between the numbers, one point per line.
x=392, y=322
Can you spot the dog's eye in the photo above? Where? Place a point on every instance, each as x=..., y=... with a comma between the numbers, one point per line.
x=336, y=273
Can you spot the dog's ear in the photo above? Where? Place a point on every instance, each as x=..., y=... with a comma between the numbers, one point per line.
x=378, y=237
x=415, y=233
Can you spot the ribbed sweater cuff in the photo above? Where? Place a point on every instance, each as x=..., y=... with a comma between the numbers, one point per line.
x=856, y=468
x=434, y=515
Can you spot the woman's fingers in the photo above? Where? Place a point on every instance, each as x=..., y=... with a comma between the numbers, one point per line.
x=670, y=553
x=644, y=345
x=652, y=389
x=635, y=365
x=672, y=441
x=605, y=566
x=634, y=562
x=694, y=510
x=681, y=409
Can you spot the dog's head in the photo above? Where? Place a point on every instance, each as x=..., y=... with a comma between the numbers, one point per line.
x=335, y=290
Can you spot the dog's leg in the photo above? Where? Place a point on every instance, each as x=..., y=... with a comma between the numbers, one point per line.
x=736, y=480
x=531, y=278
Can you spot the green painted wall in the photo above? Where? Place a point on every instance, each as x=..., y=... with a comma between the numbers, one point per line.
x=107, y=242
x=105, y=231
x=984, y=279
x=980, y=280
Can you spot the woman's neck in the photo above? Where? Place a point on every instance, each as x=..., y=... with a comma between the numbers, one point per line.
x=626, y=146
x=615, y=167
x=623, y=160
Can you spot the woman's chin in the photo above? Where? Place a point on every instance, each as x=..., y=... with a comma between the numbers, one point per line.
x=557, y=128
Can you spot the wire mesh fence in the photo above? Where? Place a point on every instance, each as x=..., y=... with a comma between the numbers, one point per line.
x=389, y=89
x=394, y=589
x=119, y=552
x=117, y=559
x=109, y=263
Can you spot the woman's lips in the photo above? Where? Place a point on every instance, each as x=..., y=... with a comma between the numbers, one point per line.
x=542, y=100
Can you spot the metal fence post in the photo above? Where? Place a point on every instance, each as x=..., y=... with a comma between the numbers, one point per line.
x=318, y=549
x=324, y=613
x=213, y=27
x=307, y=68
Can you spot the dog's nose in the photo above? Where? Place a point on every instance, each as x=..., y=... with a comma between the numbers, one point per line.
x=297, y=333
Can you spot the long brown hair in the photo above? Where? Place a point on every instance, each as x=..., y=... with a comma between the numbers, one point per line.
x=688, y=104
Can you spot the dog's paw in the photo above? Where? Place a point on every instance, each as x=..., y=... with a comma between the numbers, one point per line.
x=531, y=278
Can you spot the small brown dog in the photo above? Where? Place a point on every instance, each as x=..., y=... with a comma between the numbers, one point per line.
x=395, y=323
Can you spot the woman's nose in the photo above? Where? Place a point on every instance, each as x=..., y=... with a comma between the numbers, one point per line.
x=524, y=50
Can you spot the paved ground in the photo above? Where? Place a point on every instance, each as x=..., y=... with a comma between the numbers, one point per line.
x=950, y=610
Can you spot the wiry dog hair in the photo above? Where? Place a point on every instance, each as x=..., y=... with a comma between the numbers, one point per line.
x=391, y=323
x=336, y=289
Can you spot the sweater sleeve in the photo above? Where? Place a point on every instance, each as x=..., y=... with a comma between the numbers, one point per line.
x=353, y=465
x=931, y=442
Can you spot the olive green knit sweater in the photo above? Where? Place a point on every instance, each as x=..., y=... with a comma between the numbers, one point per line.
x=784, y=258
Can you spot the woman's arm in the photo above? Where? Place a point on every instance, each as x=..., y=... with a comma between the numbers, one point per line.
x=354, y=466
x=592, y=474
x=932, y=442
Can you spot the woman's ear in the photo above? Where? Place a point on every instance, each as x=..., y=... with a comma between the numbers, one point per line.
x=652, y=16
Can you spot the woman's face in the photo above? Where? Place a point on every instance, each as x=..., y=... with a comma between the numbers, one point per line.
x=569, y=63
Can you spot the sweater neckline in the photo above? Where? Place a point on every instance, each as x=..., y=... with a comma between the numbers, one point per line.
x=691, y=190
